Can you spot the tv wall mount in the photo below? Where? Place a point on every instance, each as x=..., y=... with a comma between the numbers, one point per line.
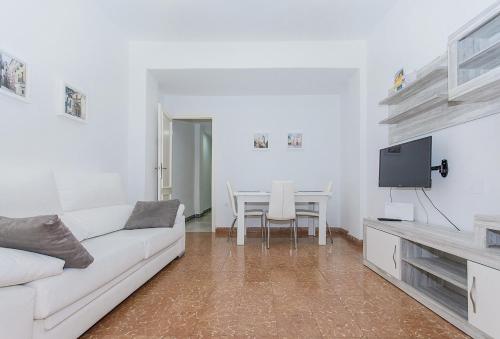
x=443, y=168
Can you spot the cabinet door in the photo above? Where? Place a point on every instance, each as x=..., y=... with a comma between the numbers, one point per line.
x=484, y=299
x=383, y=250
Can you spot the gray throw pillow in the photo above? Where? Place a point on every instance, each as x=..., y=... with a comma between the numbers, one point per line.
x=46, y=235
x=153, y=214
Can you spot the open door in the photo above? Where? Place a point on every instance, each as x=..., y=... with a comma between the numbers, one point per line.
x=164, y=168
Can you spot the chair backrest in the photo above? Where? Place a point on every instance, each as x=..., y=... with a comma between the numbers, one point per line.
x=231, y=199
x=329, y=187
x=282, y=201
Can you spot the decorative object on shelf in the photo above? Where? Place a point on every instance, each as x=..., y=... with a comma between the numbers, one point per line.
x=75, y=104
x=295, y=140
x=261, y=141
x=474, y=58
x=399, y=80
x=13, y=76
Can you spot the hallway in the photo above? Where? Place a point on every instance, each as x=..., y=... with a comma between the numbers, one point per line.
x=202, y=224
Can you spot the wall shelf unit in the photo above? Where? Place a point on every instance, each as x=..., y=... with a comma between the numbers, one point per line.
x=406, y=113
x=434, y=72
x=474, y=58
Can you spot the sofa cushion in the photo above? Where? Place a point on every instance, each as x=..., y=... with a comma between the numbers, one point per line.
x=153, y=214
x=27, y=193
x=78, y=191
x=45, y=234
x=97, y=221
x=156, y=239
x=20, y=267
x=113, y=254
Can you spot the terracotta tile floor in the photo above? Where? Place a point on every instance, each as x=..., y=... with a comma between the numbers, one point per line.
x=219, y=289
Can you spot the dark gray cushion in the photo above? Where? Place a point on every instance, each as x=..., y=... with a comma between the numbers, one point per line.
x=153, y=214
x=46, y=235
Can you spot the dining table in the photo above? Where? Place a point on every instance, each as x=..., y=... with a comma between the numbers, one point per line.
x=253, y=197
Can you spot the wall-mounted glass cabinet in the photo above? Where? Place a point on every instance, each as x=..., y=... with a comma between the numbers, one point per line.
x=474, y=59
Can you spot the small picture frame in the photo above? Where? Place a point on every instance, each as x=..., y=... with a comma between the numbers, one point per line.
x=74, y=103
x=13, y=76
x=295, y=140
x=261, y=141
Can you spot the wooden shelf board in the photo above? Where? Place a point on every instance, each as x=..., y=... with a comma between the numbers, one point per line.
x=426, y=105
x=446, y=298
x=448, y=270
x=483, y=58
x=436, y=70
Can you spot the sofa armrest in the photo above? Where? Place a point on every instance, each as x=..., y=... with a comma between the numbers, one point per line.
x=17, y=304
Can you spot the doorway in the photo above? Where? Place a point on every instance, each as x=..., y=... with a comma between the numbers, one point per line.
x=192, y=171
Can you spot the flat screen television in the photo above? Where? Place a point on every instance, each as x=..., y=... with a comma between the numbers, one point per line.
x=406, y=165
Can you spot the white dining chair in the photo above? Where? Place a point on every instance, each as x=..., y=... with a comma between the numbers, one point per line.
x=281, y=207
x=248, y=213
x=315, y=214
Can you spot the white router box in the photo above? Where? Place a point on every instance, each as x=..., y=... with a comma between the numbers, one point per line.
x=399, y=210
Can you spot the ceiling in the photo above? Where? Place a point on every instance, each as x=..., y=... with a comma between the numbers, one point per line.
x=246, y=82
x=245, y=20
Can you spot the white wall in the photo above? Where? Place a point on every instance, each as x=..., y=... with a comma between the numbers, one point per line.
x=235, y=121
x=58, y=43
x=146, y=56
x=473, y=185
x=350, y=158
x=183, y=164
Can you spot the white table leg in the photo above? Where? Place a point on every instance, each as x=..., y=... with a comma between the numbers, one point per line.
x=322, y=222
x=240, y=240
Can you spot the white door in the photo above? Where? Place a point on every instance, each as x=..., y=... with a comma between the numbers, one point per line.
x=383, y=250
x=483, y=283
x=164, y=155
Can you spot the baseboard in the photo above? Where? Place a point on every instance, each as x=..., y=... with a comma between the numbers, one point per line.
x=255, y=232
x=196, y=216
x=345, y=234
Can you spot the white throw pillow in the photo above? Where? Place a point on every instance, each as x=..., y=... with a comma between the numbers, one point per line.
x=20, y=267
x=93, y=222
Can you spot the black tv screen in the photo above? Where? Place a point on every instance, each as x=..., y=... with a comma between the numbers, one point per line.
x=406, y=165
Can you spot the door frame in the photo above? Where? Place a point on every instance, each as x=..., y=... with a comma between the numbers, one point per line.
x=159, y=154
x=212, y=119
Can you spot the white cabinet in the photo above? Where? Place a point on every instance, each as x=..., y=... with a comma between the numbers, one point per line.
x=383, y=250
x=484, y=298
x=474, y=58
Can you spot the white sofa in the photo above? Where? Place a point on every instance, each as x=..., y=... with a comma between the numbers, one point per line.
x=93, y=206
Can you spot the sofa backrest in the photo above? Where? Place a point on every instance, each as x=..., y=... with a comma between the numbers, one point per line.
x=79, y=191
x=28, y=192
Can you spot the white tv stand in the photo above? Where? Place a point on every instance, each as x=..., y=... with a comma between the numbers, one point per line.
x=455, y=274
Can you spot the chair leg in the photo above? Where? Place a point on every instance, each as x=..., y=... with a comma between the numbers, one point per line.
x=295, y=231
x=268, y=233
x=231, y=229
x=329, y=232
x=262, y=232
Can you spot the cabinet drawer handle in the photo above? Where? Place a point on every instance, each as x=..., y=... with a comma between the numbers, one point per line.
x=471, y=294
x=394, y=257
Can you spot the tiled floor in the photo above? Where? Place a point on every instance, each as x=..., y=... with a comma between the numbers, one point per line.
x=218, y=289
x=203, y=224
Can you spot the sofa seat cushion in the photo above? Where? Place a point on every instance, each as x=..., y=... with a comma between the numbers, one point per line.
x=156, y=239
x=113, y=254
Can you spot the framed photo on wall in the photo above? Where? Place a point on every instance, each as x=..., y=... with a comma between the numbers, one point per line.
x=295, y=140
x=13, y=76
x=74, y=105
x=261, y=141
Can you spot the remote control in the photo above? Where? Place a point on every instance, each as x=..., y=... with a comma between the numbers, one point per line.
x=388, y=219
